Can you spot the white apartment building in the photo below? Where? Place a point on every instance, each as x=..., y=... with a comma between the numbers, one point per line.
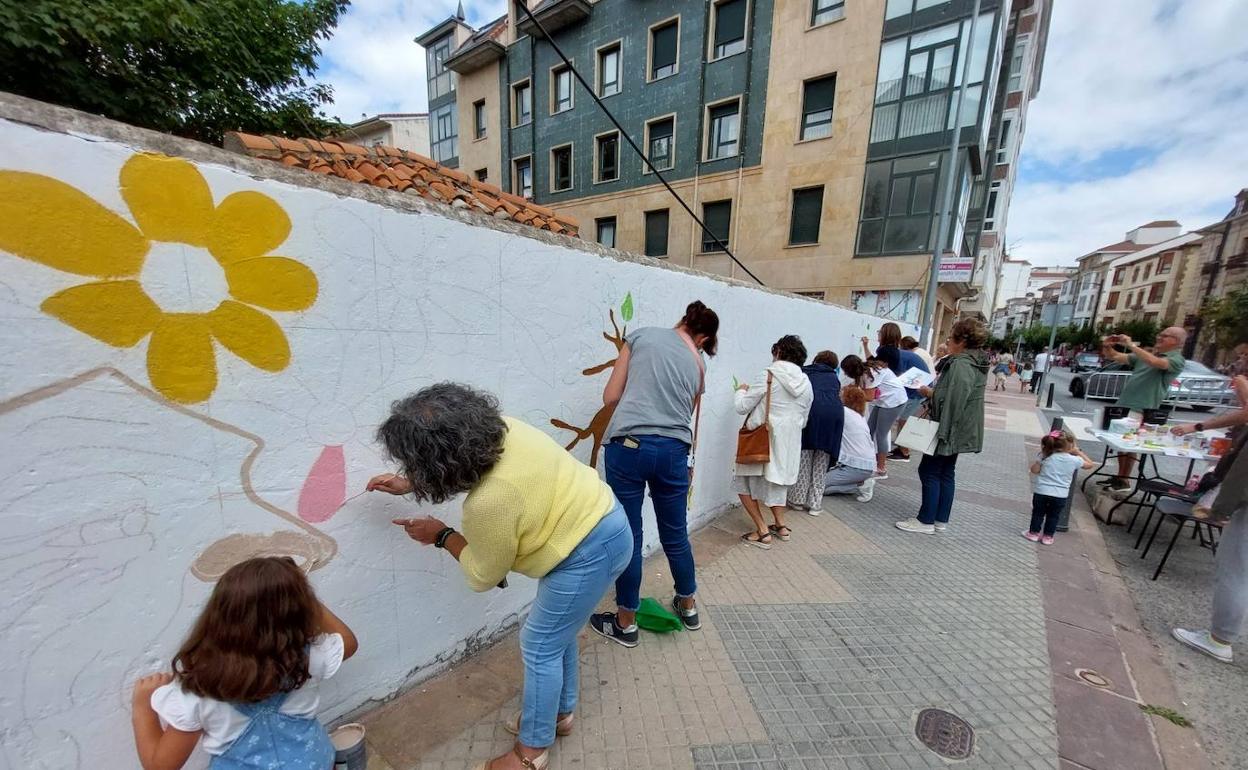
x=1089, y=281
x=405, y=130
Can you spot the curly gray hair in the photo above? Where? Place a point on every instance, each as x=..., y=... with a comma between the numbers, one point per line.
x=446, y=437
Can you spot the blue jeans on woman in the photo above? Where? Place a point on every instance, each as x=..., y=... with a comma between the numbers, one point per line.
x=566, y=597
x=936, y=477
x=663, y=464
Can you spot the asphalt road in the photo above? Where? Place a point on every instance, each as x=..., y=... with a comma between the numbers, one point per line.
x=1061, y=376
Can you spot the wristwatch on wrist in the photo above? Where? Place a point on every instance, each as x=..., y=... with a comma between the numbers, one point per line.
x=1200, y=426
x=440, y=540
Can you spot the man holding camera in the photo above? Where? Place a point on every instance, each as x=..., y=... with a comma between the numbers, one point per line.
x=1149, y=383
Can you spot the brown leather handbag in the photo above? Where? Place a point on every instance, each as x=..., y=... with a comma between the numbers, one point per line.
x=754, y=446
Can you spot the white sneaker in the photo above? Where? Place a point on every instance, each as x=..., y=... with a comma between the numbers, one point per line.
x=814, y=511
x=939, y=527
x=1202, y=640
x=866, y=491
x=914, y=525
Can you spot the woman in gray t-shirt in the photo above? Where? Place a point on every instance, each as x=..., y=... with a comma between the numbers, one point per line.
x=655, y=387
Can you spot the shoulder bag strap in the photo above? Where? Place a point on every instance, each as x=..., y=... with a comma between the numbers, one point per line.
x=767, y=409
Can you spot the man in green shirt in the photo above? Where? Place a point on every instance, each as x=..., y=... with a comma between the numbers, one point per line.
x=1149, y=383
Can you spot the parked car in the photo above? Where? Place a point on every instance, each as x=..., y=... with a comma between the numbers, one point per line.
x=1085, y=362
x=1197, y=387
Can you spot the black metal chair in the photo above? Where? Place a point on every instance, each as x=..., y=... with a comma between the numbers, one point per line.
x=1154, y=490
x=1181, y=512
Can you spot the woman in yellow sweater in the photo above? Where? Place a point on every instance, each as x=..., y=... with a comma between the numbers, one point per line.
x=531, y=507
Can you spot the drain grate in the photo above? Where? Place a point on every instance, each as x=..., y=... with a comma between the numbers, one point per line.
x=949, y=735
x=1092, y=677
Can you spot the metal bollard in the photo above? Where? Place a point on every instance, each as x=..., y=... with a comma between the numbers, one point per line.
x=1048, y=401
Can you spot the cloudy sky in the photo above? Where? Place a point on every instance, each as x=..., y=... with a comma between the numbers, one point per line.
x=1142, y=113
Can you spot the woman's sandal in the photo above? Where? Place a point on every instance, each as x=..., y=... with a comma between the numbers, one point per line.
x=781, y=531
x=563, y=726
x=540, y=762
x=757, y=539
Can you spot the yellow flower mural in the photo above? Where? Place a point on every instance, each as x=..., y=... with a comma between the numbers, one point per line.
x=147, y=276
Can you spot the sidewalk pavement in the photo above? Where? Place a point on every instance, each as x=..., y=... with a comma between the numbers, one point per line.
x=821, y=652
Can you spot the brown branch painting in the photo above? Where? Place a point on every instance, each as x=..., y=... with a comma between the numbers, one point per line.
x=597, y=427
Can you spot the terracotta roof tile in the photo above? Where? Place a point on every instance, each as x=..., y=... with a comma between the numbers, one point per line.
x=393, y=168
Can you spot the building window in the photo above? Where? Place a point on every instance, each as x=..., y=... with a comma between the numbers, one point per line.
x=723, y=127
x=717, y=217
x=1135, y=274
x=1148, y=270
x=896, y=8
x=817, y=98
x=664, y=49
x=443, y=141
x=824, y=12
x=1003, y=142
x=990, y=211
x=1111, y=301
x=482, y=174
x=478, y=119
x=522, y=178
x=560, y=89
x=609, y=70
x=1165, y=264
x=660, y=135
x=607, y=157
x=804, y=218
x=656, y=233
x=605, y=228
x=1015, y=81
x=1156, y=292
x=521, y=103
x=898, y=201
x=728, y=28
x=915, y=85
x=1119, y=276
x=441, y=80
x=561, y=168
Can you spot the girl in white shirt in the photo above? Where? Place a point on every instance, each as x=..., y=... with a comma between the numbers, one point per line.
x=888, y=402
x=245, y=679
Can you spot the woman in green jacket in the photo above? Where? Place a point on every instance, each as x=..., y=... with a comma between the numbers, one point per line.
x=957, y=403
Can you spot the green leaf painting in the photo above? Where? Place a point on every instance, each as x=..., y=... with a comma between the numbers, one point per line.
x=626, y=309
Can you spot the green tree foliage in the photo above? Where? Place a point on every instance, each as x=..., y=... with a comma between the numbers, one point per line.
x=196, y=68
x=1140, y=331
x=1227, y=318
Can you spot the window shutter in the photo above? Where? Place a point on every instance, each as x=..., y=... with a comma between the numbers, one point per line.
x=664, y=53
x=807, y=211
x=819, y=95
x=656, y=233
x=729, y=21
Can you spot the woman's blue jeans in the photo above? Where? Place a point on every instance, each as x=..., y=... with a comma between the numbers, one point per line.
x=936, y=478
x=566, y=596
x=663, y=464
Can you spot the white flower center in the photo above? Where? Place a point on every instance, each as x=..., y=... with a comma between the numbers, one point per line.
x=183, y=279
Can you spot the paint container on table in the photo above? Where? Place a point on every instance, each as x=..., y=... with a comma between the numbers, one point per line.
x=349, y=750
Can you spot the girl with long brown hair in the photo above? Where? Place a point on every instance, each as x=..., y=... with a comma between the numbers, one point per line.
x=245, y=679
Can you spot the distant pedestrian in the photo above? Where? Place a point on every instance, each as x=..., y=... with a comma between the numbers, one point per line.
x=1238, y=366
x=911, y=344
x=1001, y=370
x=1149, y=383
x=957, y=406
x=780, y=397
x=855, y=468
x=1054, y=469
x=1038, y=370
x=821, y=438
x=1024, y=376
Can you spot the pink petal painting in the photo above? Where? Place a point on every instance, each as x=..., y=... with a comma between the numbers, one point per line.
x=325, y=488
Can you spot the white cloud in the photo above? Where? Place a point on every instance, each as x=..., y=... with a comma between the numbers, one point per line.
x=372, y=60
x=1162, y=82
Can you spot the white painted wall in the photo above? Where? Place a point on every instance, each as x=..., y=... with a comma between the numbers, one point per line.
x=109, y=492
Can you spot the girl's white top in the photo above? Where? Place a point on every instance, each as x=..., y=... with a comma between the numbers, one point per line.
x=222, y=723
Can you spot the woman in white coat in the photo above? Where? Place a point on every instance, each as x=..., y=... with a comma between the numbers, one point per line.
x=767, y=484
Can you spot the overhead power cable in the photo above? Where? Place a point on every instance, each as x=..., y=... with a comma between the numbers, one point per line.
x=593, y=95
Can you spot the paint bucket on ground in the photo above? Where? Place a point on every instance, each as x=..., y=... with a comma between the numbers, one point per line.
x=349, y=750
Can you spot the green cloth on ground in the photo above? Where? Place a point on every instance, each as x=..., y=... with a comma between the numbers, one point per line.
x=1148, y=386
x=652, y=616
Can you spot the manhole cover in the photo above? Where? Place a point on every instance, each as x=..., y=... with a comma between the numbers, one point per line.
x=949, y=735
x=1091, y=677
